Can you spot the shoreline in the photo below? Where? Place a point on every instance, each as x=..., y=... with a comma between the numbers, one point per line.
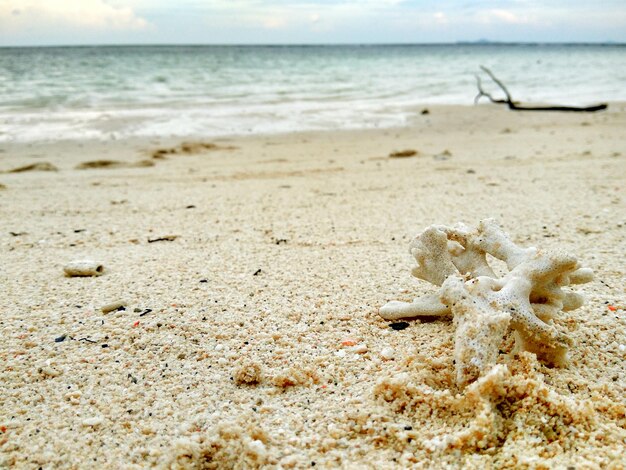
x=270, y=256
x=385, y=117
x=438, y=115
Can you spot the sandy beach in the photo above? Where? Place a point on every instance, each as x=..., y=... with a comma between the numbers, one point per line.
x=251, y=271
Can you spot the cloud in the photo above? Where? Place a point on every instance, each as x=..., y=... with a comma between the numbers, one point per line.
x=503, y=16
x=274, y=22
x=440, y=17
x=43, y=15
x=299, y=15
x=306, y=21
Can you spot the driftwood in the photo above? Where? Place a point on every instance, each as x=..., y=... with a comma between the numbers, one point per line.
x=515, y=106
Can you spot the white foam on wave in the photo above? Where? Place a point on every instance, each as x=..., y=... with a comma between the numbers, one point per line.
x=239, y=119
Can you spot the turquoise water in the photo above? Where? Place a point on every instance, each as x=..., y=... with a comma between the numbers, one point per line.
x=115, y=92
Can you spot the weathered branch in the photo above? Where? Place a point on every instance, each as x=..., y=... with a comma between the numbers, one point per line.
x=482, y=92
x=516, y=107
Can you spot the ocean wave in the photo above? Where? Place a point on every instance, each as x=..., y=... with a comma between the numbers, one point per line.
x=109, y=92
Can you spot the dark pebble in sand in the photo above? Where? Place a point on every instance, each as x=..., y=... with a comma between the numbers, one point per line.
x=399, y=326
x=60, y=339
x=166, y=238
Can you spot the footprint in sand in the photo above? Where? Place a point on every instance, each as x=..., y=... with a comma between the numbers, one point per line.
x=403, y=153
x=111, y=164
x=41, y=166
x=188, y=148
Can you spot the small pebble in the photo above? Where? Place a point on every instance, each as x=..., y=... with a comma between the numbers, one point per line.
x=348, y=342
x=387, y=353
x=119, y=305
x=360, y=349
x=48, y=371
x=60, y=339
x=257, y=449
x=399, y=325
x=83, y=268
x=95, y=421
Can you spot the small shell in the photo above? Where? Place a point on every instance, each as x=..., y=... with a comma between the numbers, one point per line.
x=84, y=267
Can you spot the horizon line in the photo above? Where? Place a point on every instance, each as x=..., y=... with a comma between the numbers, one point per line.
x=479, y=42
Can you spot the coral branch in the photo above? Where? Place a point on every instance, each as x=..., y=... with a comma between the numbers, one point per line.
x=485, y=307
x=427, y=306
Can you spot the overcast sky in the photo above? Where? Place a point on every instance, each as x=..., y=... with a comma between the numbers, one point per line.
x=52, y=22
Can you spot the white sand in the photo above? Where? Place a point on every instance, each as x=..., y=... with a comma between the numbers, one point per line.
x=292, y=244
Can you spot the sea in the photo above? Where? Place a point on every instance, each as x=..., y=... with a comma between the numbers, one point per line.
x=115, y=92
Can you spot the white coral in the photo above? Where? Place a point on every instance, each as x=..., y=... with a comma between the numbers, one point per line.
x=484, y=306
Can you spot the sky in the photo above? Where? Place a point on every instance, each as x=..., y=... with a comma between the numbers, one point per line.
x=74, y=22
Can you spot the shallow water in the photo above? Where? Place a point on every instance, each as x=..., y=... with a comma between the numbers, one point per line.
x=114, y=92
